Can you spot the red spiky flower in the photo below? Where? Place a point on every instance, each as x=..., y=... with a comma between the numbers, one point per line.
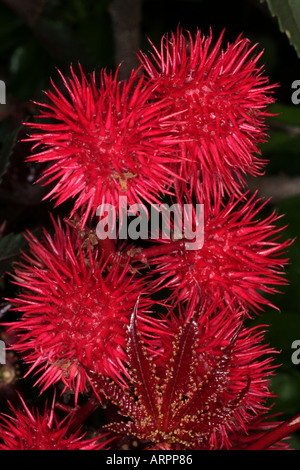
x=210, y=384
x=75, y=310
x=218, y=100
x=242, y=257
x=30, y=430
x=103, y=141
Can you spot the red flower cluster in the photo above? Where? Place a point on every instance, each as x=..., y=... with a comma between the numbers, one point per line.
x=78, y=318
x=158, y=330
x=218, y=100
x=30, y=430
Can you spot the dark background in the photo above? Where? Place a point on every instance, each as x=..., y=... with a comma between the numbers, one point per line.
x=37, y=37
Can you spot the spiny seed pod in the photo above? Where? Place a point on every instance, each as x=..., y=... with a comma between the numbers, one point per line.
x=218, y=101
x=75, y=310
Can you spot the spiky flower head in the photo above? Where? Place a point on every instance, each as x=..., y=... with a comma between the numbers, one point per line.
x=218, y=101
x=201, y=394
x=29, y=430
x=75, y=310
x=102, y=141
x=240, y=260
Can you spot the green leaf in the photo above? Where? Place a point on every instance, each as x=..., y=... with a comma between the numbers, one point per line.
x=295, y=441
x=286, y=385
x=288, y=15
x=285, y=115
x=282, y=153
x=10, y=246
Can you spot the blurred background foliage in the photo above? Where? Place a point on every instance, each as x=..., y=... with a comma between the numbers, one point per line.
x=39, y=36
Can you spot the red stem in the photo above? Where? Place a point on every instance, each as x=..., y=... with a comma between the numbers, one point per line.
x=144, y=253
x=83, y=413
x=276, y=434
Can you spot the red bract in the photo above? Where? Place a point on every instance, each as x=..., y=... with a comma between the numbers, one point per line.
x=75, y=310
x=106, y=141
x=30, y=430
x=210, y=383
x=217, y=99
x=242, y=257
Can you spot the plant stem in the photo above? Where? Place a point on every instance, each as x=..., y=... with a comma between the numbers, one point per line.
x=83, y=413
x=275, y=435
x=145, y=253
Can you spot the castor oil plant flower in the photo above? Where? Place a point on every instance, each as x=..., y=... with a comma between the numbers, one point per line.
x=25, y=429
x=75, y=309
x=240, y=263
x=103, y=141
x=218, y=100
